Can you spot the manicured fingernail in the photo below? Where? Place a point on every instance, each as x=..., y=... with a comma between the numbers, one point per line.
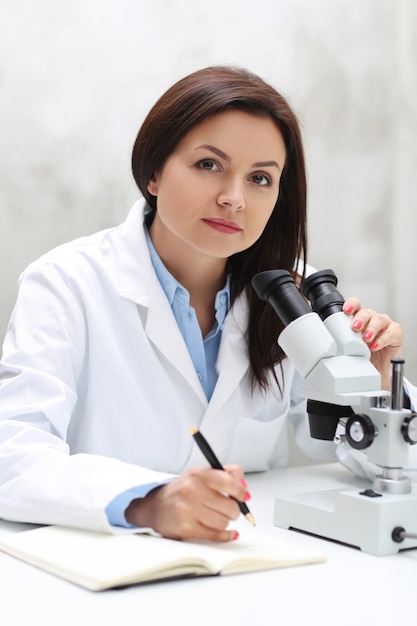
x=235, y=536
x=348, y=308
x=374, y=345
x=367, y=334
x=357, y=324
x=243, y=482
x=246, y=497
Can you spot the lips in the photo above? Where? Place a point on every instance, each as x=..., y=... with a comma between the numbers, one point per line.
x=222, y=226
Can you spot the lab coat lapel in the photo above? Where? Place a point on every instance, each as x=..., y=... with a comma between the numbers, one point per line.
x=162, y=329
x=232, y=365
x=233, y=362
x=138, y=283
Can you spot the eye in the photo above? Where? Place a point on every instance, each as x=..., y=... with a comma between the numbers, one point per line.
x=209, y=165
x=261, y=179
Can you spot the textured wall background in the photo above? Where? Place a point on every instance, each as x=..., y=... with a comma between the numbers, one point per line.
x=77, y=78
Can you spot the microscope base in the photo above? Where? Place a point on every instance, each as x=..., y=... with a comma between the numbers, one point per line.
x=351, y=518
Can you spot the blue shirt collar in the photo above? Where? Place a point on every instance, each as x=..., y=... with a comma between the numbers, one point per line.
x=173, y=289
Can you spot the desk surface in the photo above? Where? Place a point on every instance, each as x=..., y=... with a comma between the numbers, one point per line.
x=350, y=588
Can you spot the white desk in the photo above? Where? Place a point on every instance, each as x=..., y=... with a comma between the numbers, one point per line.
x=351, y=588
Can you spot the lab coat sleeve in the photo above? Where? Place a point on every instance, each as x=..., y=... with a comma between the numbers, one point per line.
x=411, y=391
x=40, y=481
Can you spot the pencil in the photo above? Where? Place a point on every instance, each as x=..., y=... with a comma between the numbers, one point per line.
x=215, y=464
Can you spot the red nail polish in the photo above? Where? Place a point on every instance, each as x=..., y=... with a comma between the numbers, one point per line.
x=235, y=536
x=348, y=308
x=243, y=482
x=357, y=324
x=374, y=345
x=246, y=497
x=367, y=334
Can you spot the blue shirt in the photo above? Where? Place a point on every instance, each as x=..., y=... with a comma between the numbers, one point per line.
x=203, y=352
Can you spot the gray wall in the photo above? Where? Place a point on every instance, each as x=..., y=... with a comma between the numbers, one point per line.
x=77, y=78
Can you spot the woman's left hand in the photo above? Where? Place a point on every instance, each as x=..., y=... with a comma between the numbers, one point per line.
x=383, y=336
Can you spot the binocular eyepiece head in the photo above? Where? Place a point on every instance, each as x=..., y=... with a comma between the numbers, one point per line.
x=279, y=289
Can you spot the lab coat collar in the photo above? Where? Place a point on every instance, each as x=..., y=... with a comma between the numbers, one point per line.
x=138, y=282
x=136, y=274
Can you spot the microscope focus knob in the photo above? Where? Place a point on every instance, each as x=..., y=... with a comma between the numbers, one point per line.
x=409, y=428
x=360, y=431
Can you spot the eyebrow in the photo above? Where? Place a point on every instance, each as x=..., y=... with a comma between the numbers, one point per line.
x=226, y=157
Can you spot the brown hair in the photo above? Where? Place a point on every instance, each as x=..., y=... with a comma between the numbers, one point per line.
x=283, y=243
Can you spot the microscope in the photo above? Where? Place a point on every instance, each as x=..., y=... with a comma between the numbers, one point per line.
x=345, y=404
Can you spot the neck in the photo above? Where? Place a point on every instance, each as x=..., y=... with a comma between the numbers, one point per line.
x=202, y=275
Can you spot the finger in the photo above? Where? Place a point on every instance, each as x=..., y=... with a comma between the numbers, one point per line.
x=218, y=508
x=238, y=473
x=201, y=531
x=235, y=470
x=197, y=530
x=374, y=325
x=217, y=512
x=367, y=320
x=222, y=536
x=228, y=483
x=351, y=306
x=391, y=337
x=213, y=514
x=210, y=495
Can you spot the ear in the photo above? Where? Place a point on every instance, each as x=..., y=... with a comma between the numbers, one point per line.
x=153, y=186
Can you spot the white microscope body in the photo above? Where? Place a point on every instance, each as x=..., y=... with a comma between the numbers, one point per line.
x=345, y=403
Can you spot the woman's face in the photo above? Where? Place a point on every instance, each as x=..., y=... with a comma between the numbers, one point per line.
x=217, y=190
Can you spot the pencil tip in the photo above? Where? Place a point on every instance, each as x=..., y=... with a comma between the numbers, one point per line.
x=193, y=430
x=250, y=519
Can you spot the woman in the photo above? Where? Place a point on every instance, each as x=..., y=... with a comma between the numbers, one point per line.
x=121, y=342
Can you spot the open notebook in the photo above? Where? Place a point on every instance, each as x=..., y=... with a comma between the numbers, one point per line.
x=99, y=561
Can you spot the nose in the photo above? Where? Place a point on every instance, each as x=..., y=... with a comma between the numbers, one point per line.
x=232, y=195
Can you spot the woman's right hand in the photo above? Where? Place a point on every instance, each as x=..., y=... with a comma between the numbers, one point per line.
x=199, y=504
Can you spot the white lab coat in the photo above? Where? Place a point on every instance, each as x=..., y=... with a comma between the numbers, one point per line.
x=98, y=391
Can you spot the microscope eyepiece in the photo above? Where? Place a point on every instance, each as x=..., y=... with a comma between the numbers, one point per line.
x=278, y=288
x=320, y=290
